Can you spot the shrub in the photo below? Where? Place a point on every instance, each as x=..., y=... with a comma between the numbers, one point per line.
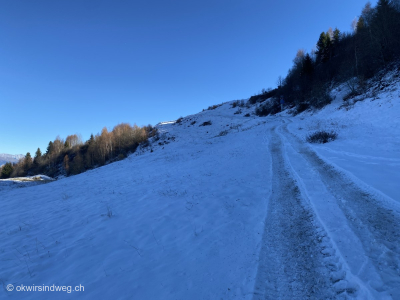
x=240, y=103
x=300, y=107
x=247, y=115
x=179, y=121
x=238, y=112
x=350, y=95
x=321, y=137
x=263, y=96
x=347, y=105
x=320, y=97
x=207, y=123
x=223, y=133
x=255, y=99
x=269, y=108
x=213, y=107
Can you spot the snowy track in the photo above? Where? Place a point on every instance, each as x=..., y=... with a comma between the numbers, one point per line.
x=325, y=237
x=292, y=259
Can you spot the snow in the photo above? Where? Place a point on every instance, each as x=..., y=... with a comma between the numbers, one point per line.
x=368, y=146
x=19, y=182
x=240, y=209
x=30, y=178
x=184, y=217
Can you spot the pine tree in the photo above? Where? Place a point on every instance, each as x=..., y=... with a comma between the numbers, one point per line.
x=91, y=139
x=324, y=45
x=321, y=43
x=336, y=36
x=50, y=149
x=89, y=156
x=308, y=66
x=38, y=154
x=27, y=162
x=335, y=42
x=37, y=159
x=360, y=24
x=385, y=28
x=6, y=170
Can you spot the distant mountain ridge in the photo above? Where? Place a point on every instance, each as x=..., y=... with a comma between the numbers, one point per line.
x=14, y=158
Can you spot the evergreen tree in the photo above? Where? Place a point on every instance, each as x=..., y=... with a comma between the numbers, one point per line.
x=38, y=154
x=336, y=36
x=324, y=47
x=6, y=170
x=50, y=149
x=335, y=42
x=308, y=66
x=37, y=159
x=89, y=155
x=91, y=140
x=321, y=43
x=385, y=29
x=27, y=162
x=360, y=24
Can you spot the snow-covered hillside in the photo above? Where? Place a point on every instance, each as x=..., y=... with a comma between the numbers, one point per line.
x=242, y=208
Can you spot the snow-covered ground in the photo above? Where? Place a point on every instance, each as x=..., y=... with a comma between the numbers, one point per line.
x=21, y=182
x=239, y=209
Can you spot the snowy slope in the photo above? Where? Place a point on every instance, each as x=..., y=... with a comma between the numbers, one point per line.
x=369, y=137
x=186, y=220
x=240, y=209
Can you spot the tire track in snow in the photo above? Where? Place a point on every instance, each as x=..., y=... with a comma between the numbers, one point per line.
x=376, y=222
x=296, y=259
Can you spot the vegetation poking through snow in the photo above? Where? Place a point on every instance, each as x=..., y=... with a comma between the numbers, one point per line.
x=212, y=107
x=264, y=95
x=270, y=107
x=206, y=123
x=321, y=137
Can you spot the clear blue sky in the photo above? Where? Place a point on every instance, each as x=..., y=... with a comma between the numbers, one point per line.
x=76, y=66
